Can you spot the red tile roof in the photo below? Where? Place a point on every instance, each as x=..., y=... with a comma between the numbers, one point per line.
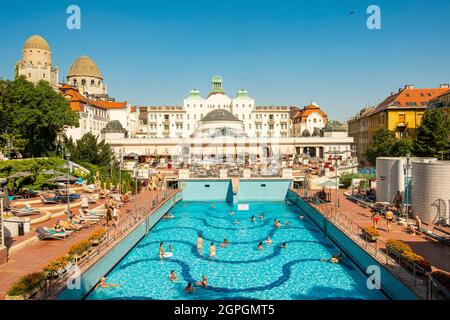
x=409, y=98
x=78, y=101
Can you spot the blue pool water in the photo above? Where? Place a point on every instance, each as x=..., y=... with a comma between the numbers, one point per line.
x=239, y=271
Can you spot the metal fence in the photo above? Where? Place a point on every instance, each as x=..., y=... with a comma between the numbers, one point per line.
x=124, y=226
x=411, y=274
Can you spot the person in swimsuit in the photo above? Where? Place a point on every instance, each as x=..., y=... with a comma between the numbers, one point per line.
x=389, y=219
x=260, y=246
x=268, y=241
x=189, y=288
x=212, y=250
x=375, y=219
x=261, y=216
x=253, y=219
x=170, y=247
x=284, y=245
x=173, y=276
x=231, y=213
x=161, y=250
x=103, y=284
x=199, y=243
x=225, y=243
x=202, y=283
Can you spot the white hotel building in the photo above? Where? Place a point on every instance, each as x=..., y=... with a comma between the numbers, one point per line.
x=216, y=127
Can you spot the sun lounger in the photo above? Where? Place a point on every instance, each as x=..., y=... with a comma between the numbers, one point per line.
x=436, y=233
x=71, y=226
x=89, y=216
x=53, y=200
x=24, y=212
x=48, y=233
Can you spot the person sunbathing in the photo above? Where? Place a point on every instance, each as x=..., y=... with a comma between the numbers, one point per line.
x=58, y=228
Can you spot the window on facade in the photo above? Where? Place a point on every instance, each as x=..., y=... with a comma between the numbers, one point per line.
x=83, y=82
x=92, y=82
x=401, y=118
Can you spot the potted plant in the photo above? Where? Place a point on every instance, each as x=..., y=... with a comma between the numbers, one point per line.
x=418, y=260
x=397, y=247
x=97, y=237
x=371, y=234
x=57, y=267
x=26, y=287
x=79, y=250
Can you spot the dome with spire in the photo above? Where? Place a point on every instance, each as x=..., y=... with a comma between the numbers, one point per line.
x=36, y=42
x=84, y=66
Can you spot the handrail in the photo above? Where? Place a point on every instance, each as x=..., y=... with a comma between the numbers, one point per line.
x=129, y=222
x=410, y=273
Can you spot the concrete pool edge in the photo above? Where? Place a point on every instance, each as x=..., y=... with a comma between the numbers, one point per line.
x=91, y=276
x=390, y=284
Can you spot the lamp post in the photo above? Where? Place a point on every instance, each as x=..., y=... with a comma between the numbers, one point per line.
x=136, y=166
x=120, y=171
x=336, y=157
x=406, y=170
x=67, y=186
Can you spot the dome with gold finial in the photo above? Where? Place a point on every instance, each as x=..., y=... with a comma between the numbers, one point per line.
x=86, y=67
x=36, y=42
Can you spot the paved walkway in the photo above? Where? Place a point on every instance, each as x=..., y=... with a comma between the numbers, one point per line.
x=436, y=253
x=34, y=257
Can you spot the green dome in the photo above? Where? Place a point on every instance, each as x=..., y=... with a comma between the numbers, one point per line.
x=335, y=126
x=114, y=127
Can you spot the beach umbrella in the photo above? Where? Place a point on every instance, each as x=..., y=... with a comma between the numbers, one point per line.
x=20, y=174
x=63, y=179
x=52, y=172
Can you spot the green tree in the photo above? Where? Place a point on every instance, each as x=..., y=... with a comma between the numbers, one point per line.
x=34, y=114
x=401, y=147
x=433, y=136
x=89, y=149
x=381, y=145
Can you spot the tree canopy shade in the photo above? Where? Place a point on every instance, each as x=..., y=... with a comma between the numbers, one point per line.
x=433, y=136
x=32, y=116
x=89, y=150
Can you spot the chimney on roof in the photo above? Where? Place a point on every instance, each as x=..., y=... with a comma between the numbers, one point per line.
x=445, y=86
x=409, y=86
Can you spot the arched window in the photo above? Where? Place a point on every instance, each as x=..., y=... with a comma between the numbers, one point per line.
x=83, y=82
x=92, y=82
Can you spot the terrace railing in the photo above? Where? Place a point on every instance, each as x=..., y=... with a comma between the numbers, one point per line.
x=411, y=274
x=126, y=224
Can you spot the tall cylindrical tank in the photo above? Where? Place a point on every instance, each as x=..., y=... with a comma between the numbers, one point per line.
x=431, y=191
x=390, y=178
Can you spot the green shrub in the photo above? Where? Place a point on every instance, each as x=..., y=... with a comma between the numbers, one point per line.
x=419, y=260
x=398, y=246
x=27, y=284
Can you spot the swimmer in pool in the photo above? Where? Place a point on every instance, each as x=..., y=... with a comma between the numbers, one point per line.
x=260, y=246
x=236, y=221
x=302, y=217
x=268, y=241
x=231, y=213
x=171, y=216
x=278, y=224
x=212, y=250
x=284, y=245
x=202, y=283
x=103, y=284
x=287, y=223
x=199, y=243
x=275, y=222
x=261, y=216
x=224, y=244
x=161, y=250
x=165, y=216
x=334, y=259
x=253, y=219
x=189, y=288
x=213, y=206
x=170, y=247
x=173, y=276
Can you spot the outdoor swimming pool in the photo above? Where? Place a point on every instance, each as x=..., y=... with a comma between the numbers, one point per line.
x=239, y=271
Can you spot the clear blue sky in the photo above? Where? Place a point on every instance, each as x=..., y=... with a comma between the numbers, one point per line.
x=283, y=52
